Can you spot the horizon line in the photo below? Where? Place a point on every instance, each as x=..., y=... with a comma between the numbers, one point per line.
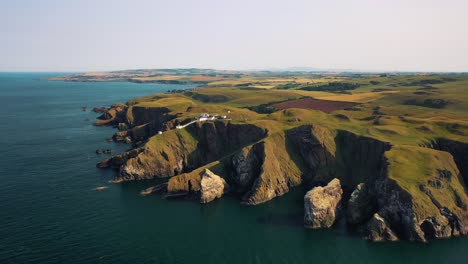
x=273, y=70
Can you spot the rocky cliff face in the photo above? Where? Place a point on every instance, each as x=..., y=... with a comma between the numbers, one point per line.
x=361, y=205
x=258, y=172
x=246, y=166
x=395, y=206
x=178, y=151
x=429, y=204
x=145, y=122
x=278, y=170
x=317, y=149
x=459, y=151
x=216, y=139
x=339, y=154
x=359, y=158
x=112, y=116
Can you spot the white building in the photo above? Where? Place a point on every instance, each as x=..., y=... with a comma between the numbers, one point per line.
x=205, y=117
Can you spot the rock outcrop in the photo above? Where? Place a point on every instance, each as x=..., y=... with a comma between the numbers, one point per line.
x=378, y=230
x=112, y=116
x=321, y=205
x=117, y=161
x=211, y=186
x=201, y=184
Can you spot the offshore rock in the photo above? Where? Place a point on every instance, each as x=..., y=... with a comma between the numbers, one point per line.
x=321, y=205
x=101, y=109
x=211, y=186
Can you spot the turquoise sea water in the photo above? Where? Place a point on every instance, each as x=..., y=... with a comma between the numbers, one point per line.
x=50, y=212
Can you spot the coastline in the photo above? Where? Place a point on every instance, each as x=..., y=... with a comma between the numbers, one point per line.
x=258, y=163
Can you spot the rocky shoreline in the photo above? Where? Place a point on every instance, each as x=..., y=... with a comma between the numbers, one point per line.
x=350, y=176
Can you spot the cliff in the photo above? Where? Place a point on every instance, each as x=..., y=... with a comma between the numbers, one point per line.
x=178, y=151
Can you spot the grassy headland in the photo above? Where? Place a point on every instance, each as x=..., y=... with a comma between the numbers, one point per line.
x=403, y=135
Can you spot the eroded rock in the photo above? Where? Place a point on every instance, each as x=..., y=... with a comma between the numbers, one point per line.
x=112, y=116
x=321, y=205
x=122, y=126
x=211, y=186
x=378, y=230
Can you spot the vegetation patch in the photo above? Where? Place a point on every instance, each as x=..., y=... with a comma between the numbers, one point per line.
x=430, y=102
x=207, y=98
x=429, y=81
x=341, y=117
x=422, y=93
x=292, y=85
x=331, y=87
x=428, y=87
x=425, y=129
x=377, y=90
x=391, y=131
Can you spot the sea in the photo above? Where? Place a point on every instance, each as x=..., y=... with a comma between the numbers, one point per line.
x=51, y=212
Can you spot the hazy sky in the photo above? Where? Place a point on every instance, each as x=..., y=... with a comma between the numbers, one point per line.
x=69, y=35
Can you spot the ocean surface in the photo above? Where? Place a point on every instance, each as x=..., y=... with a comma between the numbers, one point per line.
x=50, y=211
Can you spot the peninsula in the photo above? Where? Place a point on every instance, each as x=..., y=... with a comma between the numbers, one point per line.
x=387, y=152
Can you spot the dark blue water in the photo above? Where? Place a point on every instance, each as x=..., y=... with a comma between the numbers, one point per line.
x=50, y=212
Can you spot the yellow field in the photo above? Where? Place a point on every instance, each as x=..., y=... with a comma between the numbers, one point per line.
x=358, y=97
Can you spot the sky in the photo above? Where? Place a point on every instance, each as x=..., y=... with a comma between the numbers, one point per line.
x=103, y=35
